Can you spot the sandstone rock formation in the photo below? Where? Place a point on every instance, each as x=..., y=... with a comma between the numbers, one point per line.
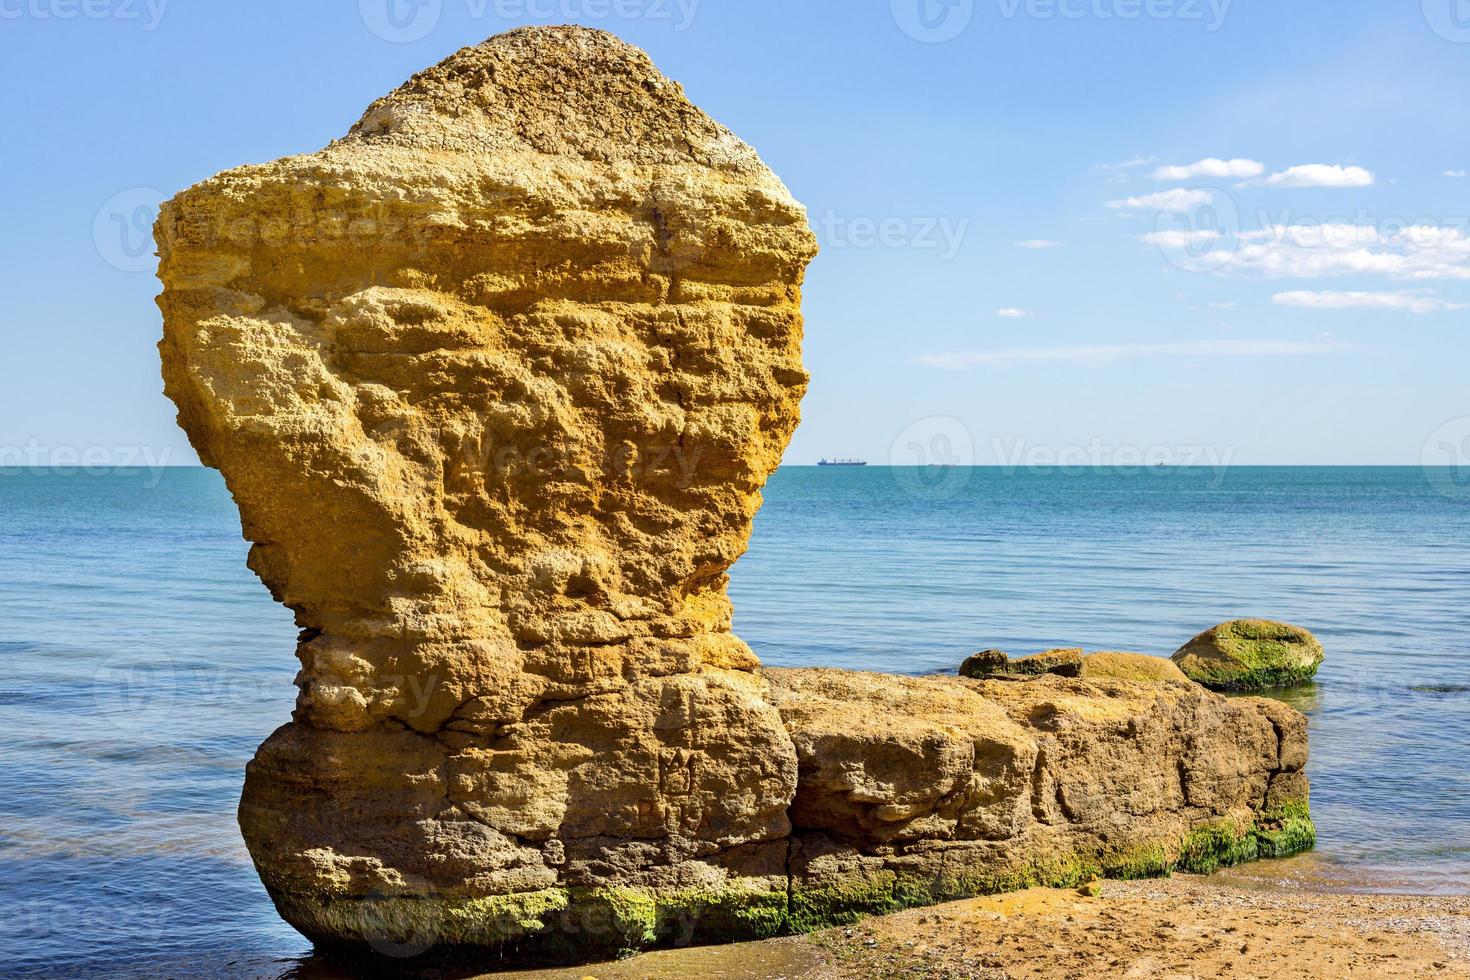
x=1116, y=665
x=920, y=789
x=986, y=663
x=1251, y=655
x=1072, y=662
x=496, y=380
x=995, y=663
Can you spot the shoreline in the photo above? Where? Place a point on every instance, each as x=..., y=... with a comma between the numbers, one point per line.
x=1297, y=917
x=1237, y=924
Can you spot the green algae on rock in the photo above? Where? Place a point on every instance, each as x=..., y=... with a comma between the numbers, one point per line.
x=986, y=663
x=1064, y=663
x=1072, y=662
x=574, y=923
x=995, y=663
x=1251, y=655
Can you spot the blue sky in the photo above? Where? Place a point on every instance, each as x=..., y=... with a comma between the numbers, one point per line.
x=1247, y=221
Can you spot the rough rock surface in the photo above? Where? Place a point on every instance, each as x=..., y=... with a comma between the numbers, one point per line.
x=496, y=381
x=1116, y=665
x=913, y=790
x=1251, y=655
x=986, y=663
x=1066, y=662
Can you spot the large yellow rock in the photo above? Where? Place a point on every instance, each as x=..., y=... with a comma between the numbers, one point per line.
x=496, y=381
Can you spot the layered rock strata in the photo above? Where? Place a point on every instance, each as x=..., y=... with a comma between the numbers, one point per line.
x=496, y=380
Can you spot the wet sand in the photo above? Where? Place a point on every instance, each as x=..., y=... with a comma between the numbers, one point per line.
x=1275, y=924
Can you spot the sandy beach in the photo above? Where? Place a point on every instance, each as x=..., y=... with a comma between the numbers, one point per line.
x=1241, y=925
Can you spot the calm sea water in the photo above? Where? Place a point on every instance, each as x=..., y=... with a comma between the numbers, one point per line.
x=146, y=663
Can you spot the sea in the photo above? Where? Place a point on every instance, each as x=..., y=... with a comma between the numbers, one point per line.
x=145, y=663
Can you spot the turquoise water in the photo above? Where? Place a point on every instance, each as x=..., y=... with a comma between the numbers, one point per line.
x=146, y=663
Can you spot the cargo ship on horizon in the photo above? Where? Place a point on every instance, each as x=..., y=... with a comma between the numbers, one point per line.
x=843, y=462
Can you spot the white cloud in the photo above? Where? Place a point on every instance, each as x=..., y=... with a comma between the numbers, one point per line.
x=1180, y=238
x=1012, y=313
x=1417, y=253
x=1211, y=167
x=1321, y=175
x=1179, y=199
x=1457, y=174
x=1112, y=353
x=1038, y=243
x=1224, y=305
x=1408, y=302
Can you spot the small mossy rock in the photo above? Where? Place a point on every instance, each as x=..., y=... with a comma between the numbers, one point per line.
x=995, y=663
x=1118, y=666
x=1251, y=655
x=1064, y=663
x=986, y=663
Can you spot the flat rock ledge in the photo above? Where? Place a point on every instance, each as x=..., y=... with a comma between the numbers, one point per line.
x=907, y=792
x=496, y=381
x=917, y=790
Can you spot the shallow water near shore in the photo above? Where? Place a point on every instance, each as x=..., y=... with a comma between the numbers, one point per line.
x=146, y=663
